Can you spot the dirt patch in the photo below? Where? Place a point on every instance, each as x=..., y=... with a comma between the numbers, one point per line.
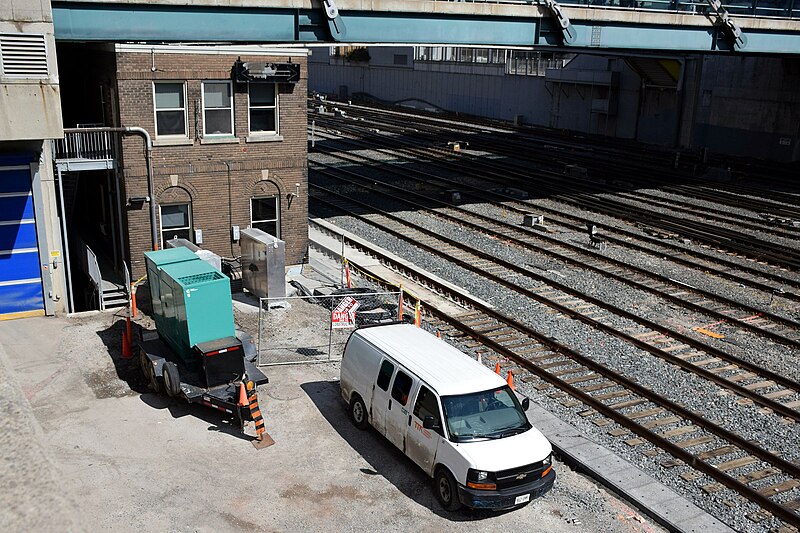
x=304, y=492
x=240, y=524
x=106, y=384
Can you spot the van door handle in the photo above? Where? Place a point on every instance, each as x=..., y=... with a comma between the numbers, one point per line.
x=390, y=405
x=409, y=420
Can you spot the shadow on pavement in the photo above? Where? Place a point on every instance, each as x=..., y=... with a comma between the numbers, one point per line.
x=178, y=408
x=383, y=457
x=129, y=371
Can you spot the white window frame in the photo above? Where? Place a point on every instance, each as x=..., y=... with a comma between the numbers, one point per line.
x=277, y=220
x=161, y=223
x=264, y=133
x=203, y=104
x=185, y=134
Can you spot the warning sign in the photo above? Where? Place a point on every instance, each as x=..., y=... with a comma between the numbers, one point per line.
x=344, y=315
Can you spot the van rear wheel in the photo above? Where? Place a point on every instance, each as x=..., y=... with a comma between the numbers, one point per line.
x=358, y=412
x=446, y=490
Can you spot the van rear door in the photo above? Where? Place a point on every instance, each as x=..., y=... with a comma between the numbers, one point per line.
x=380, y=396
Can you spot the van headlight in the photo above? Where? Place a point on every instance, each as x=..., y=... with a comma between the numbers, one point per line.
x=547, y=465
x=480, y=479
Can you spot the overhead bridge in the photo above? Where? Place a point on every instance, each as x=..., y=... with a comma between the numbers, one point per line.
x=751, y=26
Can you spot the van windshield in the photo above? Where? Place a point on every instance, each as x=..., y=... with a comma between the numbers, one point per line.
x=491, y=414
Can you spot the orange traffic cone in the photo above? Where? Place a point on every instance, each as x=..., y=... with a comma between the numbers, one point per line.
x=510, y=380
x=497, y=368
x=126, y=345
x=242, y=396
x=438, y=334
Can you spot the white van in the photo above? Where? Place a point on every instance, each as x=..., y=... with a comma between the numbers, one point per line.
x=451, y=415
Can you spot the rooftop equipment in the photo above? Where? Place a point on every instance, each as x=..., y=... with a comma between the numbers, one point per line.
x=206, y=255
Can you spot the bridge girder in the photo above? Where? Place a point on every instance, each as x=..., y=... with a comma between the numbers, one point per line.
x=451, y=23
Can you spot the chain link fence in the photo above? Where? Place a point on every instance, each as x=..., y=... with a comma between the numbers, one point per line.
x=315, y=328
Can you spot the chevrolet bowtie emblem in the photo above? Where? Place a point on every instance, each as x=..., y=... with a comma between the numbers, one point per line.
x=522, y=476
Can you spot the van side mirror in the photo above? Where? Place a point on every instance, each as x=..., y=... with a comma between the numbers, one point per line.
x=526, y=402
x=429, y=423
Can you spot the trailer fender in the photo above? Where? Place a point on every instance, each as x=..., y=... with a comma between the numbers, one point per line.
x=158, y=363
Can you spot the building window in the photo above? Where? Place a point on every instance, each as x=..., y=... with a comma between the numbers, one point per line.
x=176, y=222
x=170, y=99
x=265, y=215
x=217, y=108
x=263, y=107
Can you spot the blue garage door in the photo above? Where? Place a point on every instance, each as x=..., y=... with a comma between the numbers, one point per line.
x=20, y=274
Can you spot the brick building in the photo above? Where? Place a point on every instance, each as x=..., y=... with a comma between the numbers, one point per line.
x=228, y=128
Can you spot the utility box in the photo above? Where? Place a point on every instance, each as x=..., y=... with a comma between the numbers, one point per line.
x=263, y=264
x=191, y=302
x=206, y=255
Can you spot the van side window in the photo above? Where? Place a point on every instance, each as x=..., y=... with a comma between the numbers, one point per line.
x=426, y=404
x=401, y=387
x=385, y=375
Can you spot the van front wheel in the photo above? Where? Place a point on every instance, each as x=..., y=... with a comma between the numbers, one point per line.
x=444, y=485
x=358, y=412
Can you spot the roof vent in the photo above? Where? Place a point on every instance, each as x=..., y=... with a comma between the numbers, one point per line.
x=23, y=55
x=200, y=278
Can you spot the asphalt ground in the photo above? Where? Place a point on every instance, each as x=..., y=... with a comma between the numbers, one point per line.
x=87, y=446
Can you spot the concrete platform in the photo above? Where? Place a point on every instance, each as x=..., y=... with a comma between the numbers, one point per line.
x=651, y=496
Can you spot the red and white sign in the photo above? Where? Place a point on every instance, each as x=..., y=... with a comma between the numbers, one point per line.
x=344, y=316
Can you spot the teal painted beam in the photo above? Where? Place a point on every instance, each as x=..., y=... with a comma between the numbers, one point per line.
x=416, y=28
x=181, y=23
x=98, y=22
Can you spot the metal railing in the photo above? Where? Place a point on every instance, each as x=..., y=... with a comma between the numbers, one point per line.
x=91, y=267
x=90, y=145
x=758, y=8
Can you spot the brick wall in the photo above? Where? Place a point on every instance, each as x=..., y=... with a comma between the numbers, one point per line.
x=219, y=179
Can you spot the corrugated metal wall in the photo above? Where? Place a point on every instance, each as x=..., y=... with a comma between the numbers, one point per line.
x=481, y=90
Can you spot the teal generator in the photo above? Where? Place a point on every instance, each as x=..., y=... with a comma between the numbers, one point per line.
x=191, y=304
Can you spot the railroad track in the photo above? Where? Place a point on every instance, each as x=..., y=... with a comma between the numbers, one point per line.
x=517, y=176
x=626, y=409
x=725, y=310
x=654, y=246
x=749, y=381
x=639, y=162
x=762, y=222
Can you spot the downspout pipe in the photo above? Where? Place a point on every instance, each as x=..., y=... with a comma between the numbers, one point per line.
x=148, y=143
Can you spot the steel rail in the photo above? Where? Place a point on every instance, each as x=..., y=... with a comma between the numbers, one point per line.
x=742, y=243
x=482, y=193
x=777, y=407
x=525, y=244
x=503, y=201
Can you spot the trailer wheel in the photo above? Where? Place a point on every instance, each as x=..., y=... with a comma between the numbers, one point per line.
x=172, y=380
x=358, y=412
x=149, y=372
